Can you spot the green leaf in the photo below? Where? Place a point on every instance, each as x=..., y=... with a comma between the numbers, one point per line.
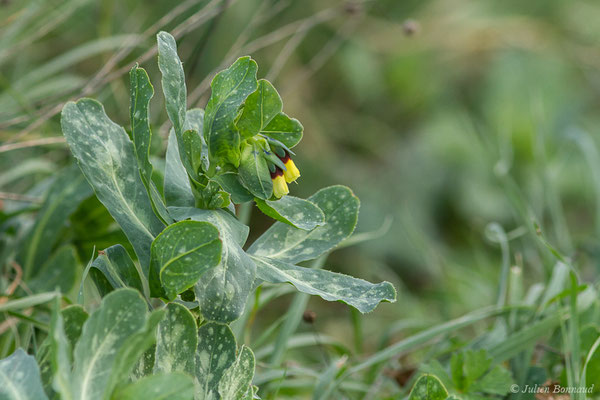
x=64, y=196
x=222, y=292
x=118, y=269
x=286, y=243
x=73, y=319
x=254, y=171
x=497, y=381
x=173, y=86
x=141, y=91
x=174, y=386
x=20, y=378
x=60, y=354
x=237, y=378
x=457, y=370
x=293, y=211
x=428, y=387
x=331, y=286
x=106, y=157
x=230, y=182
x=132, y=350
x=477, y=363
x=182, y=253
x=178, y=191
x=176, y=341
x=192, y=143
x=216, y=352
x=259, y=109
x=194, y=120
x=60, y=271
x=284, y=129
x=121, y=314
x=230, y=88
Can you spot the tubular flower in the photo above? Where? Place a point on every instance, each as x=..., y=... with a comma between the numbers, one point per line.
x=280, y=188
x=291, y=172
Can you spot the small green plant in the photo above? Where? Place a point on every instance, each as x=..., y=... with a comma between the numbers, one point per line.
x=162, y=328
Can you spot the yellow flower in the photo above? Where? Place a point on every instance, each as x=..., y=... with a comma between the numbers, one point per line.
x=280, y=188
x=291, y=172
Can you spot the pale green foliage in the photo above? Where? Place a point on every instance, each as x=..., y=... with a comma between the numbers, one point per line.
x=20, y=378
x=188, y=241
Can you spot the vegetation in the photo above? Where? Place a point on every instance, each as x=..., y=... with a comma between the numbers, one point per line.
x=158, y=246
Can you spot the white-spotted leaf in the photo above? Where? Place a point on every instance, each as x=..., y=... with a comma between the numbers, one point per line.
x=331, y=286
x=107, y=159
x=230, y=88
x=259, y=109
x=176, y=341
x=428, y=387
x=254, y=171
x=223, y=290
x=284, y=129
x=293, y=211
x=141, y=92
x=286, y=243
x=216, y=352
x=236, y=380
x=122, y=313
x=181, y=254
x=20, y=378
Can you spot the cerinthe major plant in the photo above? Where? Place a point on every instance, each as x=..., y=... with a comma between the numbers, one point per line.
x=163, y=324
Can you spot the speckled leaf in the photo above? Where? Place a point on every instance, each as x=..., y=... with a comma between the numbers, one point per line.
x=20, y=378
x=174, y=90
x=107, y=159
x=230, y=88
x=73, y=319
x=237, y=378
x=254, y=171
x=175, y=386
x=192, y=143
x=141, y=91
x=181, y=254
x=122, y=313
x=230, y=182
x=194, y=120
x=259, y=109
x=178, y=191
x=64, y=196
x=293, y=211
x=176, y=341
x=132, y=350
x=117, y=268
x=286, y=243
x=216, y=352
x=284, y=129
x=331, y=286
x=222, y=292
x=428, y=387
x=60, y=271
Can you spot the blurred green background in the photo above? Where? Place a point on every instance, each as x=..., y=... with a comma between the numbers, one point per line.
x=445, y=117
